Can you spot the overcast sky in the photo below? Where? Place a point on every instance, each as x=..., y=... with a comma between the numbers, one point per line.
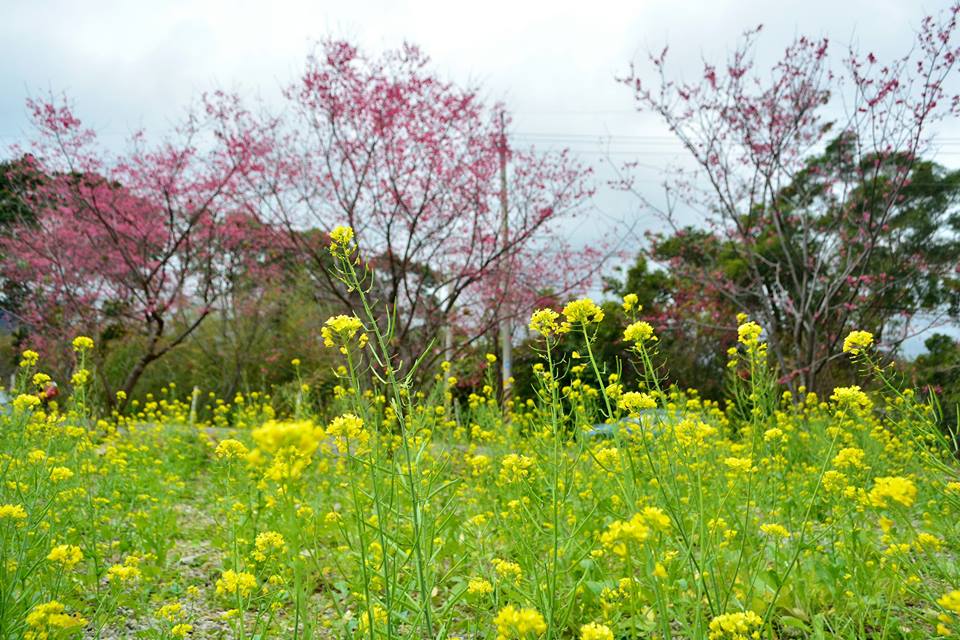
x=140, y=64
x=128, y=65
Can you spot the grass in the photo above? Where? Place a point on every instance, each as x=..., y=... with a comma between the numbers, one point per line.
x=402, y=510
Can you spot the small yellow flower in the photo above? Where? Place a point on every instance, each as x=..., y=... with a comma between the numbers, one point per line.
x=514, y=467
x=341, y=239
x=479, y=587
x=29, y=358
x=170, y=612
x=46, y=619
x=636, y=401
x=852, y=397
x=849, y=457
x=856, y=341
x=621, y=533
x=738, y=465
x=544, y=322
x=232, y=582
x=12, y=512
x=339, y=331
x=519, y=624
x=894, y=488
x=269, y=544
x=595, y=631
x=231, y=449
x=507, y=570
x=774, y=529
x=127, y=572
x=735, y=626
x=41, y=379
x=951, y=601
x=748, y=333
x=66, y=554
x=82, y=343
x=60, y=473
x=638, y=333
x=347, y=430
x=25, y=402
x=583, y=311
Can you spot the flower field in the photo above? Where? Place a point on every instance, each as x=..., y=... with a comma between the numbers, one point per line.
x=589, y=510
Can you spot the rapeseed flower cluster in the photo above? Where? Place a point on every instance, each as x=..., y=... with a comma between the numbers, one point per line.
x=736, y=626
x=66, y=555
x=544, y=322
x=583, y=312
x=888, y=490
x=519, y=624
x=857, y=341
x=236, y=583
x=391, y=505
x=48, y=620
x=341, y=331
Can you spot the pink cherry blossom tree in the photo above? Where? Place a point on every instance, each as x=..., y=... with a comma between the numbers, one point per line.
x=129, y=245
x=803, y=176
x=415, y=164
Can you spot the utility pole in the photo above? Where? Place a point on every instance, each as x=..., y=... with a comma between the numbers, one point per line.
x=506, y=342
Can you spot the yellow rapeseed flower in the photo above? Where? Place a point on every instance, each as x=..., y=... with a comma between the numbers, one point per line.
x=639, y=332
x=29, y=358
x=849, y=457
x=67, y=555
x=856, y=341
x=479, y=587
x=341, y=238
x=738, y=465
x=60, y=473
x=515, y=467
x=231, y=449
x=123, y=573
x=735, y=626
x=851, y=396
x=519, y=624
x=12, y=512
x=773, y=529
x=595, y=631
x=274, y=435
x=636, y=401
x=82, y=343
x=269, y=544
x=236, y=582
x=620, y=534
x=507, y=570
x=347, y=430
x=47, y=619
x=170, y=612
x=894, y=488
x=951, y=601
x=583, y=311
x=340, y=330
x=544, y=322
x=748, y=333
x=25, y=402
